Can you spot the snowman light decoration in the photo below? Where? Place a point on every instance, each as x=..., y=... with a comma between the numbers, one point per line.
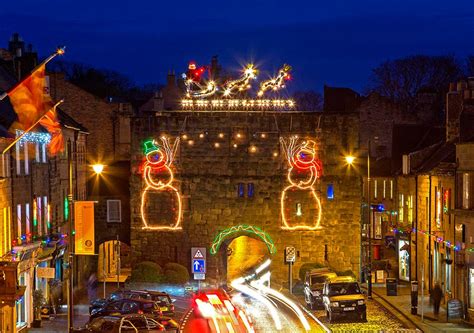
x=160, y=201
x=300, y=205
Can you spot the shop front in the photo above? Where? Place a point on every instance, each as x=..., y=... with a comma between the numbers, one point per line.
x=26, y=256
x=404, y=259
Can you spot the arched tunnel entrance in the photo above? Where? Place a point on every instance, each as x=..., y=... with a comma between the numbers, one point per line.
x=243, y=253
x=239, y=249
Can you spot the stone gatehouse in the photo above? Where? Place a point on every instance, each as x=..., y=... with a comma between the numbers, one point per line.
x=229, y=170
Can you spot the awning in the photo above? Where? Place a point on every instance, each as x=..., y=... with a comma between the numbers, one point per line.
x=46, y=253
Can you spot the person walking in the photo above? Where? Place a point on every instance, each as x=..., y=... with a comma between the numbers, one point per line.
x=92, y=285
x=436, y=295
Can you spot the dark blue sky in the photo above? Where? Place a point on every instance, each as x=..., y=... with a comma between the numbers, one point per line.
x=327, y=42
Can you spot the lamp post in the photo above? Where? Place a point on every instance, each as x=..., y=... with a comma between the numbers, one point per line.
x=70, y=281
x=98, y=168
x=350, y=161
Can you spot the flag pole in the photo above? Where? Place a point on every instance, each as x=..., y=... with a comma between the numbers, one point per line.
x=30, y=128
x=60, y=51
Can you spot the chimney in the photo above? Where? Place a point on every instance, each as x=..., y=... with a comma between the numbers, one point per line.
x=454, y=106
x=171, y=79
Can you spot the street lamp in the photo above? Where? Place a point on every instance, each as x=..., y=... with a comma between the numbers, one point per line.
x=350, y=161
x=98, y=168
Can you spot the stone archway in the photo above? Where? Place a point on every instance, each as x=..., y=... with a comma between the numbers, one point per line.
x=112, y=255
x=239, y=249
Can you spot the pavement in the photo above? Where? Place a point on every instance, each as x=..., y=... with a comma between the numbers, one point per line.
x=400, y=306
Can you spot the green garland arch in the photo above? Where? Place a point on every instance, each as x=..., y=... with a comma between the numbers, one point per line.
x=246, y=229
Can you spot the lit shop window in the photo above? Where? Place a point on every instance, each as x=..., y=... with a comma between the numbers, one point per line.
x=375, y=189
x=465, y=190
x=400, y=207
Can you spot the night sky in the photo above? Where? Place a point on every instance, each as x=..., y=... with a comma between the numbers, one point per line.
x=327, y=42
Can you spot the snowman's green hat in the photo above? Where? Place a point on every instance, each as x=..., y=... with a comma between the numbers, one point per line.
x=150, y=146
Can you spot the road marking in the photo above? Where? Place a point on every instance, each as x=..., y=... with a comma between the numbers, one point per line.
x=185, y=319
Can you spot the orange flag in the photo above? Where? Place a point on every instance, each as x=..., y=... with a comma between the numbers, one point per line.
x=29, y=100
x=51, y=123
x=31, y=104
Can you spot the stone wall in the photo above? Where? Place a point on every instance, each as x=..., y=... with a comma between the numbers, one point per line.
x=218, y=151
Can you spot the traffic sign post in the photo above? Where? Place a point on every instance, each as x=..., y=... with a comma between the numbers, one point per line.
x=198, y=264
x=290, y=258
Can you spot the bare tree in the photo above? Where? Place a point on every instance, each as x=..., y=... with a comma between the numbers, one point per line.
x=308, y=100
x=470, y=65
x=402, y=79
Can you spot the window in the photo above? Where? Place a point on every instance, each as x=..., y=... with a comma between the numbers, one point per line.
x=438, y=206
x=375, y=189
x=5, y=232
x=114, y=213
x=250, y=190
x=27, y=220
x=27, y=162
x=46, y=214
x=330, y=191
x=43, y=153
x=37, y=152
x=240, y=190
x=39, y=215
x=400, y=207
x=384, y=188
x=18, y=158
x=299, y=211
x=410, y=208
x=5, y=165
x=18, y=220
x=465, y=191
x=391, y=189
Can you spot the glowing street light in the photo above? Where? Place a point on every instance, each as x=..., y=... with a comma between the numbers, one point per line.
x=349, y=159
x=98, y=168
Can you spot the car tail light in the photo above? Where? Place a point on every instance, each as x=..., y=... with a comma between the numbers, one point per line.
x=172, y=307
x=140, y=312
x=164, y=323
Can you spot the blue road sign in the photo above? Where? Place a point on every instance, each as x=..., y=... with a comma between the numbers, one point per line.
x=199, y=266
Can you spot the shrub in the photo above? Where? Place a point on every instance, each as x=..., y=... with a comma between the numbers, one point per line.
x=307, y=267
x=147, y=271
x=176, y=273
x=346, y=273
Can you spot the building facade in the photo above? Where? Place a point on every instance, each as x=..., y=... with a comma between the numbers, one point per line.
x=231, y=178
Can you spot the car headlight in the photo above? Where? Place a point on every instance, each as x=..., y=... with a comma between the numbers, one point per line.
x=360, y=302
x=335, y=304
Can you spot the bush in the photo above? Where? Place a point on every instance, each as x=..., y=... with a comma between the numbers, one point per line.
x=307, y=267
x=346, y=273
x=147, y=271
x=176, y=273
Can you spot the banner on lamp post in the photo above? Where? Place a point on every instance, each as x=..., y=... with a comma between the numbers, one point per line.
x=84, y=227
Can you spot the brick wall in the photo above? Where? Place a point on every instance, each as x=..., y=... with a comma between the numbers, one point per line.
x=208, y=177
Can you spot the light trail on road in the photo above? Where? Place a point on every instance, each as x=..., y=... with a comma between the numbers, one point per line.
x=271, y=304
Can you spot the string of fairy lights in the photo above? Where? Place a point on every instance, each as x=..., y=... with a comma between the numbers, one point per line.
x=436, y=238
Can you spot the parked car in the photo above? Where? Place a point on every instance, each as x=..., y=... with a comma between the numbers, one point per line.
x=127, y=323
x=164, y=300
x=126, y=306
x=343, y=298
x=313, y=286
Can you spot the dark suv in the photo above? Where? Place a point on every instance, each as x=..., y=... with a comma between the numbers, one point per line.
x=313, y=286
x=342, y=297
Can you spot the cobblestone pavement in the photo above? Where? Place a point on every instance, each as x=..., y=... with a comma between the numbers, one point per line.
x=378, y=320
